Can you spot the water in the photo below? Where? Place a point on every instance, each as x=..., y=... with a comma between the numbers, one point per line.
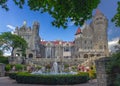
x=56, y=69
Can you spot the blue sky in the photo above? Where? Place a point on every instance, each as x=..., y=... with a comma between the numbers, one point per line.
x=15, y=17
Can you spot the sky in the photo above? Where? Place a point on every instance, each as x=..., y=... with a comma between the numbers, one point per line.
x=15, y=17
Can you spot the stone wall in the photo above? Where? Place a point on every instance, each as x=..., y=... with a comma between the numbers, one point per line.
x=2, y=69
x=102, y=77
x=44, y=61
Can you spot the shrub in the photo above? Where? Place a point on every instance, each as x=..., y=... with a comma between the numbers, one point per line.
x=4, y=59
x=19, y=67
x=113, y=69
x=8, y=67
x=12, y=75
x=114, y=63
x=51, y=79
x=39, y=67
x=92, y=74
x=117, y=80
x=83, y=73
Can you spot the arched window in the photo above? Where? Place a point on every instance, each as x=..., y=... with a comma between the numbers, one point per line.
x=85, y=56
x=17, y=54
x=92, y=55
x=98, y=55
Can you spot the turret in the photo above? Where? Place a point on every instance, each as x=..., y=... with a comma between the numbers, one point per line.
x=36, y=28
x=100, y=24
x=78, y=33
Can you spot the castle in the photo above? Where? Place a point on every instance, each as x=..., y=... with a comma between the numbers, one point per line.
x=90, y=42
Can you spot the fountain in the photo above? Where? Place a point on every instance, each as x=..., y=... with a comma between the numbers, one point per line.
x=56, y=69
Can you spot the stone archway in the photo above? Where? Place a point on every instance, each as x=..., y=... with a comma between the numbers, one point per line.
x=98, y=55
x=30, y=55
x=92, y=55
x=17, y=54
x=85, y=55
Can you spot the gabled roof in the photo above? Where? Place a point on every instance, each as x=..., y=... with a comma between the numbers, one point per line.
x=78, y=31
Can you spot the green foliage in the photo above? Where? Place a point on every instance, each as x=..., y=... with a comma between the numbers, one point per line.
x=12, y=40
x=1, y=53
x=66, y=65
x=39, y=67
x=83, y=73
x=92, y=74
x=117, y=80
x=119, y=41
x=113, y=69
x=63, y=11
x=116, y=18
x=3, y=4
x=51, y=79
x=19, y=67
x=114, y=63
x=8, y=67
x=12, y=75
x=4, y=59
x=74, y=68
x=48, y=66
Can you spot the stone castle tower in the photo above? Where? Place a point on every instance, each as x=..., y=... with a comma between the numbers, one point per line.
x=32, y=38
x=91, y=41
x=99, y=25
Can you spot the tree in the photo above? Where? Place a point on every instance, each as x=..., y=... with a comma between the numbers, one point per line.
x=63, y=11
x=12, y=41
x=1, y=53
x=117, y=47
x=116, y=18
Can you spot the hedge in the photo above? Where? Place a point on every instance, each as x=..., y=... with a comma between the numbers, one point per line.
x=12, y=75
x=51, y=79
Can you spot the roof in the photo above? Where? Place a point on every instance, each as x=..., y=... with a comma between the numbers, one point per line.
x=57, y=42
x=78, y=31
x=98, y=11
x=43, y=42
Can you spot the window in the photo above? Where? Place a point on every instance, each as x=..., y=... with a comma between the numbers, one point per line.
x=104, y=47
x=85, y=42
x=85, y=56
x=100, y=17
x=30, y=55
x=100, y=47
x=66, y=49
x=91, y=42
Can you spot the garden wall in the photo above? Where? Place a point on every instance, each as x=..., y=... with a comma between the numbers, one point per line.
x=102, y=77
x=2, y=69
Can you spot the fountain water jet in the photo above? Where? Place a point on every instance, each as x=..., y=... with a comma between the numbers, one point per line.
x=55, y=68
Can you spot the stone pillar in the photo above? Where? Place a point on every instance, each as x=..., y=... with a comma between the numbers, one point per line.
x=2, y=69
x=102, y=77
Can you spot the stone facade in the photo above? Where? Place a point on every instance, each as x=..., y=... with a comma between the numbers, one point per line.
x=2, y=69
x=89, y=43
x=32, y=38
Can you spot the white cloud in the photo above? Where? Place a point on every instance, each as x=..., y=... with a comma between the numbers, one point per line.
x=7, y=53
x=10, y=27
x=112, y=44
